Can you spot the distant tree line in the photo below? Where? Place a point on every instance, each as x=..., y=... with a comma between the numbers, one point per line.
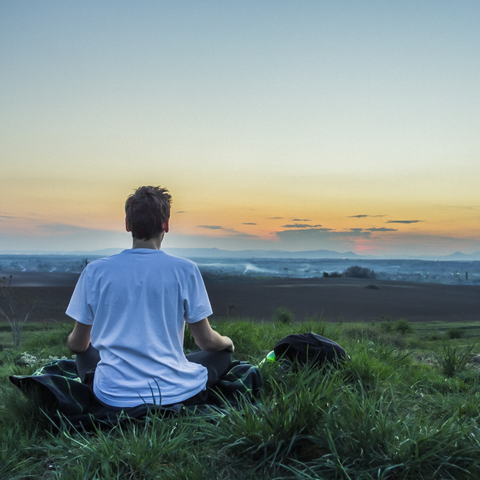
x=354, y=271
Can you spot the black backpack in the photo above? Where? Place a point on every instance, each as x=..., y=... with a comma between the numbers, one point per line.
x=309, y=348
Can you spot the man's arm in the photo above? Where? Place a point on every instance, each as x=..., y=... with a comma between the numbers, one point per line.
x=79, y=340
x=208, y=339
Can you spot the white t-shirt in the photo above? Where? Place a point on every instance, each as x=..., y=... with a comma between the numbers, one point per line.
x=137, y=303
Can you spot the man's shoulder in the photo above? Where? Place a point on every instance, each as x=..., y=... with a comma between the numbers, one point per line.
x=103, y=263
x=104, y=260
x=131, y=259
x=180, y=262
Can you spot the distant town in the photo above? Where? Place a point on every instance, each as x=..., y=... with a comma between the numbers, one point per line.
x=451, y=272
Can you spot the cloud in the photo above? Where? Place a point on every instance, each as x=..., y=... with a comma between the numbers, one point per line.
x=218, y=227
x=405, y=221
x=212, y=227
x=300, y=225
x=180, y=211
x=243, y=235
x=231, y=231
x=64, y=229
x=459, y=207
x=29, y=217
x=360, y=232
x=274, y=218
x=382, y=229
x=365, y=216
x=248, y=223
x=227, y=242
x=301, y=220
x=321, y=239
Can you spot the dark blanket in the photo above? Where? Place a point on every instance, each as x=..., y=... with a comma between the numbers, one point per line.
x=62, y=395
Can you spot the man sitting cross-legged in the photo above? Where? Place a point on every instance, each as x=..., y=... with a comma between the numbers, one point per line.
x=130, y=311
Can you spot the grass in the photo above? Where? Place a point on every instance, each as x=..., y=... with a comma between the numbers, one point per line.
x=403, y=407
x=452, y=359
x=283, y=315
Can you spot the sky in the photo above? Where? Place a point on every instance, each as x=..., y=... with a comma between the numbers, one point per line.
x=346, y=125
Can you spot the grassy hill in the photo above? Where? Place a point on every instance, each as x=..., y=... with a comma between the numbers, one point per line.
x=406, y=405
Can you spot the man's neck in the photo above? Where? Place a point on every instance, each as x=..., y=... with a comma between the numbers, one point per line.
x=153, y=243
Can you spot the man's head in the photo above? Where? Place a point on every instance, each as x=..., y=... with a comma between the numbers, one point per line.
x=147, y=210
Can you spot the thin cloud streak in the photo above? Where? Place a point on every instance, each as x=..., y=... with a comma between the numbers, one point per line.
x=300, y=225
x=382, y=229
x=62, y=229
x=243, y=235
x=405, y=221
x=460, y=207
x=231, y=231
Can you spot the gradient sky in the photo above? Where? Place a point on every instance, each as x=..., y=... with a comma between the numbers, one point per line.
x=275, y=125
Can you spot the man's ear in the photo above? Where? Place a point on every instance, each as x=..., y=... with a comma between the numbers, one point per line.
x=166, y=225
x=127, y=227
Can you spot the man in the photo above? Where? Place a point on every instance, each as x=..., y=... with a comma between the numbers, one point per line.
x=130, y=311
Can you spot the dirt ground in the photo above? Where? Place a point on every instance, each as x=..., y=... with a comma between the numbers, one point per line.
x=349, y=299
x=333, y=298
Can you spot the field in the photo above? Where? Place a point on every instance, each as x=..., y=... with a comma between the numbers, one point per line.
x=256, y=298
x=406, y=405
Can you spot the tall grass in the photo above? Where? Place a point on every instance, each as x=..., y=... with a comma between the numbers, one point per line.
x=452, y=359
x=381, y=415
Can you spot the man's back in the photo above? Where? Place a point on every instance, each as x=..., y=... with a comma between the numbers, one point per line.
x=140, y=300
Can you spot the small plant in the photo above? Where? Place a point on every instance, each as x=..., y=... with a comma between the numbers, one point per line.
x=451, y=361
x=403, y=326
x=454, y=332
x=16, y=308
x=360, y=332
x=386, y=327
x=283, y=315
x=26, y=359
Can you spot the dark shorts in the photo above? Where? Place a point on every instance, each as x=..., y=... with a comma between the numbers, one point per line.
x=216, y=363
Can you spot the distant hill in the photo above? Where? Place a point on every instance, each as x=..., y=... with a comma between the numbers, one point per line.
x=462, y=256
x=202, y=253
x=217, y=253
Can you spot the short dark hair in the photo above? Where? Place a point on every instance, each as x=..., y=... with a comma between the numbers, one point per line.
x=147, y=210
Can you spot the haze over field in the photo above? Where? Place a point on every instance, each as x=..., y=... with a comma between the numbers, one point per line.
x=63, y=270
x=276, y=125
